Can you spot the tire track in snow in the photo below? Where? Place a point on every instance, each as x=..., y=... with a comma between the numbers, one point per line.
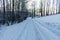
x=23, y=31
x=48, y=26
x=38, y=33
x=52, y=27
x=46, y=32
x=30, y=32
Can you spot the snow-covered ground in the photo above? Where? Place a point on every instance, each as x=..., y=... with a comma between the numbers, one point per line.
x=51, y=22
x=43, y=28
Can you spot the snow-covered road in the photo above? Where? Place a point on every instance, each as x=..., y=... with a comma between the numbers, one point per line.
x=32, y=29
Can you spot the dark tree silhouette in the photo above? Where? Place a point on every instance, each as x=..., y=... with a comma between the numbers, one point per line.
x=3, y=11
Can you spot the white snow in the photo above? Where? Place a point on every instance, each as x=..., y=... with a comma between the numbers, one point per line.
x=51, y=22
x=43, y=28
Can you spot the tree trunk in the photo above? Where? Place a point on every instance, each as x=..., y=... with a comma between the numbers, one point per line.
x=3, y=12
x=41, y=8
x=13, y=16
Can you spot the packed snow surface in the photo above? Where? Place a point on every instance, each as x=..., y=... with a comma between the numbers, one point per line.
x=43, y=28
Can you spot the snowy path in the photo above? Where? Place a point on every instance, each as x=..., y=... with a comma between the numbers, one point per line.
x=29, y=29
x=50, y=22
x=14, y=31
x=55, y=28
x=48, y=34
x=44, y=28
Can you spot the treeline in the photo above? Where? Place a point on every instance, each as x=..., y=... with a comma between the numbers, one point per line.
x=46, y=7
x=14, y=11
